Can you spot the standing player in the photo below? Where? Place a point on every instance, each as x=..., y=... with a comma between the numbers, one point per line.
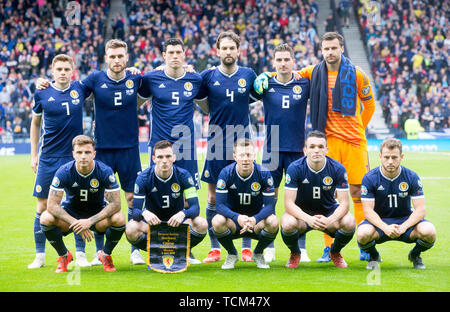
x=116, y=129
x=387, y=193
x=172, y=92
x=245, y=205
x=285, y=102
x=225, y=95
x=164, y=187
x=342, y=105
x=92, y=203
x=311, y=183
x=60, y=109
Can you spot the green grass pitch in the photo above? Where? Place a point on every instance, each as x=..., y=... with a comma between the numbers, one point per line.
x=17, y=209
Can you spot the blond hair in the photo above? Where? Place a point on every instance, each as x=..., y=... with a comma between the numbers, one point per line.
x=116, y=43
x=63, y=58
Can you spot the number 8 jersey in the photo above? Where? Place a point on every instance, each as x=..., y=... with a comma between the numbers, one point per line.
x=315, y=189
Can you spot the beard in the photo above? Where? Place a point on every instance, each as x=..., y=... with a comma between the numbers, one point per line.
x=228, y=60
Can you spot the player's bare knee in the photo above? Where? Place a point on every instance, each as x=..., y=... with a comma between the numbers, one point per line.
x=288, y=223
x=271, y=224
x=348, y=223
x=219, y=223
x=132, y=230
x=365, y=234
x=47, y=218
x=200, y=224
x=427, y=232
x=118, y=219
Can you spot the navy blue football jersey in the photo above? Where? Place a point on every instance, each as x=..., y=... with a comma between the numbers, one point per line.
x=228, y=97
x=115, y=104
x=172, y=106
x=62, y=117
x=392, y=196
x=164, y=198
x=285, y=113
x=84, y=193
x=316, y=189
x=251, y=196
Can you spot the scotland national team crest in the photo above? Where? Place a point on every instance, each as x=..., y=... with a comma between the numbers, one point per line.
x=94, y=183
x=255, y=186
x=242, y=85
x=168, y=248
x=129, y=84
x=176, y=190
x=327, y=181
x=403, y=186
x=187, y=89
x=297, y=90
x=74, y=95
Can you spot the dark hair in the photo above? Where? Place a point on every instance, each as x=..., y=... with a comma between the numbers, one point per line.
x=315, y=134
x=331, y=35
x=162, y=145
x=282, y=48
x=228, y=34
x=174, y=42
x=82, y=140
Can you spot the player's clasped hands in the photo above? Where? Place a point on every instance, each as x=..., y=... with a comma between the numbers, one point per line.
x=82, y=227
x=318, y=222
x=247, y=223
x=393, y=231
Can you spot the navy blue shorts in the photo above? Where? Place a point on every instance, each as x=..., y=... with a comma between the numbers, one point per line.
x=46, y=170
x=276, y=166
x=187, y=164
x=405, y=237
x=126, y=162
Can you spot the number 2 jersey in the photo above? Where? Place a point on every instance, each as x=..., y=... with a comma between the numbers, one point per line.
x=392, y=196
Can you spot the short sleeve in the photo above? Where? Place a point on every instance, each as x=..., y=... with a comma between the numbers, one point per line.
x=267, y=184
x=89, y=82
x=144, y=88
x=58, y=181
x=203, y=92
x=37, y=107
x=291, y=179
x=110, y=181
x=139, y=187
x=341, y=178
x=221, y=186
x=416, y=190
x=367, y=191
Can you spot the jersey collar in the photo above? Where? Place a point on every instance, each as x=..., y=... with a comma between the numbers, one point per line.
x=115, y=80
x=82, y=175
x=312, y=170
x=161, y=179
x=58, y=89
x=245, y=179
x=281, y=83
x=393, y=179
x=230, y=75
x=170, y=77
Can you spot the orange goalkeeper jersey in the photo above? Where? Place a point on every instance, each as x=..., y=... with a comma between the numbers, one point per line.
x=348, y=128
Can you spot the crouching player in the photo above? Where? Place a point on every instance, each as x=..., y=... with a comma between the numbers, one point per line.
x=311, y=183
x=387, y=192
x=245, y=205
x=92, y=204
x=164, y=187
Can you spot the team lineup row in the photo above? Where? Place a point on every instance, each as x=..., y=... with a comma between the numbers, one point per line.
x=336, y=89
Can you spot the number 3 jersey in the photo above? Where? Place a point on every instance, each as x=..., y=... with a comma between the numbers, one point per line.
x=392, y=196
x=62, y=116
x=84, y=193
x=315, y=189
x=165, y=197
